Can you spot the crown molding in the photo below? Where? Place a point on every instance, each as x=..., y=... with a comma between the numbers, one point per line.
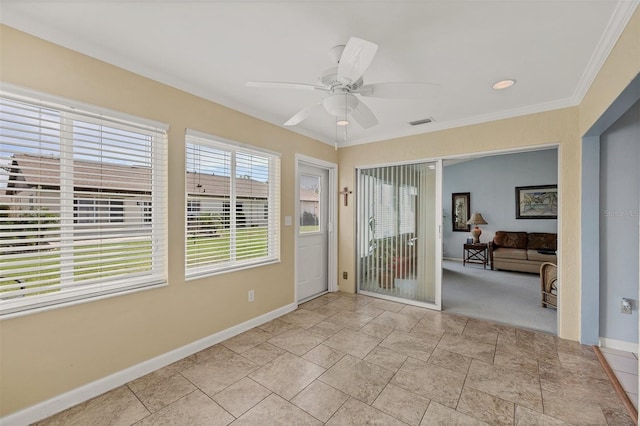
x=619, y=20
x=478, y=119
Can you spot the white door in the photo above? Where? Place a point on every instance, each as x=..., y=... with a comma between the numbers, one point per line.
x=312, y=248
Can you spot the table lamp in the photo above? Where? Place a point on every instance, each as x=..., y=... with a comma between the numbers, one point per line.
x=476, y=219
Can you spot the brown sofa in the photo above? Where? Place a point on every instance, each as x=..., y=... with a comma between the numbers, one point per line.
x=522, y=251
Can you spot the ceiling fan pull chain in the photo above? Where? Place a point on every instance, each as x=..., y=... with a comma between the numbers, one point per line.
x=345, y=134
x=346, y=119
x=336, y=143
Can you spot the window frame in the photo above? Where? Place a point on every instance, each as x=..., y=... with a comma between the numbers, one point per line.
x=194, y=137
x=72, y=292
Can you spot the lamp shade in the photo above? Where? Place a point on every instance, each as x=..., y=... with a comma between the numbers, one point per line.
x=476, y=219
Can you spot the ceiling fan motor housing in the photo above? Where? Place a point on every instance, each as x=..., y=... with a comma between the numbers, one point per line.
x=339, y=104
x=329, y=79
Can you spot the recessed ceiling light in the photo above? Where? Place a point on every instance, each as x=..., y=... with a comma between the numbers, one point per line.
x=342, y=122
x=503, y=84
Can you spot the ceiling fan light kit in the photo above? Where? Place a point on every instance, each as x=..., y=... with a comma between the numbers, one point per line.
x=340, y=104
x=343, y=82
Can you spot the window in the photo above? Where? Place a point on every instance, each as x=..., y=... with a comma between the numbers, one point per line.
x=232, y=206
x=82, y=200
x=393, y=195
x=309, y=204
x=146, y=211
x=94, y=210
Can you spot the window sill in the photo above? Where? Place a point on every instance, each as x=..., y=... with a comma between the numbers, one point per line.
x=79, y=299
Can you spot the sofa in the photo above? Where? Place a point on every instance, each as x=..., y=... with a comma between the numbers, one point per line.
x=522, y=251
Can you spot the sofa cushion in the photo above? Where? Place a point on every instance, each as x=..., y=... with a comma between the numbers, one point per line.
x=542, y=241
x=516, y=240
x=510, y=253
x=541, y=257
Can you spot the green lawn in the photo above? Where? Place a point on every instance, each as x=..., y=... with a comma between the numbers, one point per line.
x=211, y=249
x=90, y=262
x=309, y=228
x=126, y=257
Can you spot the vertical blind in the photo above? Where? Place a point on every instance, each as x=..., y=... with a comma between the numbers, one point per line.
x=232, y=205
x=394, y=233
x=82, y=203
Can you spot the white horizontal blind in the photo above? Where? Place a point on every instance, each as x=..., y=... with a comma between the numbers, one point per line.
x=232, y=206
x=82, y=204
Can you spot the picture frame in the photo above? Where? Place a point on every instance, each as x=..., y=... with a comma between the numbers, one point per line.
x=460, y=211
x=537, y=202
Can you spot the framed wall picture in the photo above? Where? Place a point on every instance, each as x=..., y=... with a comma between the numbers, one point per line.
x=460, y=211
x=537, y=202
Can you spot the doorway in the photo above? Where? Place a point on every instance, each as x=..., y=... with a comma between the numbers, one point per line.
x=489, y=181
x=316, y=244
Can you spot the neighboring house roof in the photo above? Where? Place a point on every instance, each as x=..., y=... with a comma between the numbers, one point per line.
x=30, y=171
x=219, y=185
x=308, y=195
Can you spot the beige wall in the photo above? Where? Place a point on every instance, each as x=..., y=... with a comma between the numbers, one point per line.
x=44, y=355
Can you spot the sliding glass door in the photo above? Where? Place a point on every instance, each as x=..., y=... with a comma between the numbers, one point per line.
x=399, y=244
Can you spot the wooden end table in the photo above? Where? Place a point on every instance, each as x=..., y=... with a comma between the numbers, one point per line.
x=475, y=253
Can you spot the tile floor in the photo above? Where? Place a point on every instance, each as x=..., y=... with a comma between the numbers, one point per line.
x=625, y=367
x=346, y=359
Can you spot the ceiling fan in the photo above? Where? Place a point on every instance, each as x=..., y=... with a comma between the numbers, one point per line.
x=343, y=82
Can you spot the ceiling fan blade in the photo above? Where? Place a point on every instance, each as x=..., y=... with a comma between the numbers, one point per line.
x=283, y=85
x=355, y=59
x=302, y=114
x=400, y=90
x=364, y=116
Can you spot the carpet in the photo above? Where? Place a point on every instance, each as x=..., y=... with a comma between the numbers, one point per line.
x=511, y=298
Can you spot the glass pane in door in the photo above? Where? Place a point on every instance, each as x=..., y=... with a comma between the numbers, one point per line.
x=309, y=203
x=397, y=232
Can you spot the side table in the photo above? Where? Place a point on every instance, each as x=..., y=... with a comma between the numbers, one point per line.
x=475, y=253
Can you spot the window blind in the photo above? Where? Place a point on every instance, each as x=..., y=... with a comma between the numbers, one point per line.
x=232, y=205
x=387, y=199
x=82, y=203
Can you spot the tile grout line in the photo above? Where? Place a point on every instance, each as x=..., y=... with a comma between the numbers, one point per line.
x=616, y=385
x=143, y=404
x=335, y=412
x=215, y=402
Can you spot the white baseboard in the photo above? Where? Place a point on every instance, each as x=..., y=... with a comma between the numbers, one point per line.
x=66, y=400
x=620, y=345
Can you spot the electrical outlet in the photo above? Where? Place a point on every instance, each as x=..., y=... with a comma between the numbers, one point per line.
x=625, y=305
x=344, y=275
x=251, y=296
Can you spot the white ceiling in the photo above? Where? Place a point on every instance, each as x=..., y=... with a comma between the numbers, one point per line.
x=211, y=48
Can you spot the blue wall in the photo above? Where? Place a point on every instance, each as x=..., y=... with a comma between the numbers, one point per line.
x=619, y=205
x=492, y=182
